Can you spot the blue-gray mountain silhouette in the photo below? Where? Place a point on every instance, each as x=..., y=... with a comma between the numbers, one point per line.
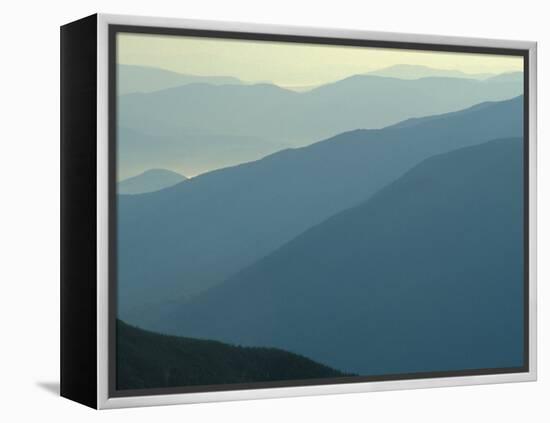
x=272, y=116
x=425, y=276
x=149, y=181
x=179, y=241
x=144, y=79
x=151, y=360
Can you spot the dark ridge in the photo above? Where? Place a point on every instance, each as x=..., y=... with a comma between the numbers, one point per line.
x=150, y=360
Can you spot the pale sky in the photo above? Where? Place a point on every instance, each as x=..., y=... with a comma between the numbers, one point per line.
x=288, y=64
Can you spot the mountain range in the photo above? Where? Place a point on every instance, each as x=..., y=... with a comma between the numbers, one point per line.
x=424, y=276
x=204, y=126
x=144, y=79
x=185, y=239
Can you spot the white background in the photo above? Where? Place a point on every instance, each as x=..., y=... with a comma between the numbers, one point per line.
x=29, y=229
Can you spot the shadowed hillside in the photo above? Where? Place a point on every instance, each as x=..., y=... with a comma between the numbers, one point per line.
x=150, y=360
x=427, y=275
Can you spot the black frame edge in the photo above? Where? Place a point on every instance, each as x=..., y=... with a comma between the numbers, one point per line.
x=78, y=267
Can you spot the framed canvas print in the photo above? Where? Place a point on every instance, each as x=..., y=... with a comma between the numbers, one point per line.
x=254, y=211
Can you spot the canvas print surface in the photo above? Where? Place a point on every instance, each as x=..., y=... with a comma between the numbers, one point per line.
x=294, y=211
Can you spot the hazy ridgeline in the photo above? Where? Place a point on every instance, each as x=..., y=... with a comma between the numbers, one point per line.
x=197, y=127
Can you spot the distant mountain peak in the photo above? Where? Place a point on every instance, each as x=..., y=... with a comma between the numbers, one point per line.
x=159, y=171
x=149, y=181
x=406, y=71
